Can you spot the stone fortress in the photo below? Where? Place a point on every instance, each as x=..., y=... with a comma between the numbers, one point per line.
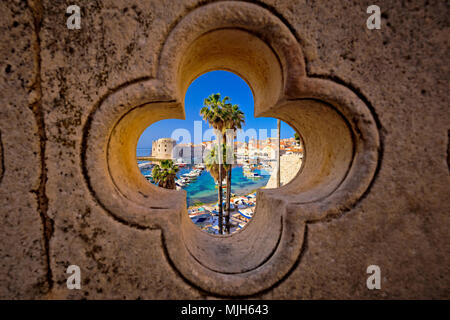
x=163, y=148
x=371, y=105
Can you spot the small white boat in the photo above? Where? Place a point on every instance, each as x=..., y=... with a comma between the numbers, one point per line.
x=179, y=183
x=193, y=174
x=247, y=213
x=253, y=175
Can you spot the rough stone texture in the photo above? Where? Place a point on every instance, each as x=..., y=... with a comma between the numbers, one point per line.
x=52, y=77
x=23, y=266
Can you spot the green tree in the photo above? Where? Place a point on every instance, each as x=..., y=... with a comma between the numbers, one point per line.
x=214, y=114
x=297, y=138
x=212, y=163
x=164, y=174
x=234, y=120
x=223, y=117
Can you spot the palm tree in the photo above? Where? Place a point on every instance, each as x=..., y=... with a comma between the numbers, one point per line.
x=214, y=168
x=213, y=113
x=212, y=163
x=297, y=138
x=165, y=174
x=234, y=120
x=222, y=116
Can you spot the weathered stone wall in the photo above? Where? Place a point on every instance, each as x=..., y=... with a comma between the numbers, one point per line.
x=52, y=78
x=290, y=166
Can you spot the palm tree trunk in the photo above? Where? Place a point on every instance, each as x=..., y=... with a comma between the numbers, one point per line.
x=220, y=155
x=227, y=218
x=278, y=154
x=228, y=198
x=172, y=184
x=220, y=200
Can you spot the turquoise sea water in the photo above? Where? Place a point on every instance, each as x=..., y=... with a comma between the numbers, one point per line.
x=203, y=188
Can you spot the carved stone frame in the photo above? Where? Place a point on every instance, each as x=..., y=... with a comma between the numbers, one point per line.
x=338, y=130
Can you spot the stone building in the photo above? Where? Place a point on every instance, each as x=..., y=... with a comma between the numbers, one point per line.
x=189, y=152
x=75, y=102
x=163, y=148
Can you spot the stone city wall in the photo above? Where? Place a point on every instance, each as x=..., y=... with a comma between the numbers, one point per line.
x=290, y=165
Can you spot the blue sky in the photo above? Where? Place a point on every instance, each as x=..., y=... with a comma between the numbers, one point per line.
x=225, y=83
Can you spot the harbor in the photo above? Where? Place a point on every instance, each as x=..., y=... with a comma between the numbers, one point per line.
x=201, y=190
x=253, y=169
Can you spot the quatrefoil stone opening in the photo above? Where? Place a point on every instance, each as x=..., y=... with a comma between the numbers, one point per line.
x=338, y=130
